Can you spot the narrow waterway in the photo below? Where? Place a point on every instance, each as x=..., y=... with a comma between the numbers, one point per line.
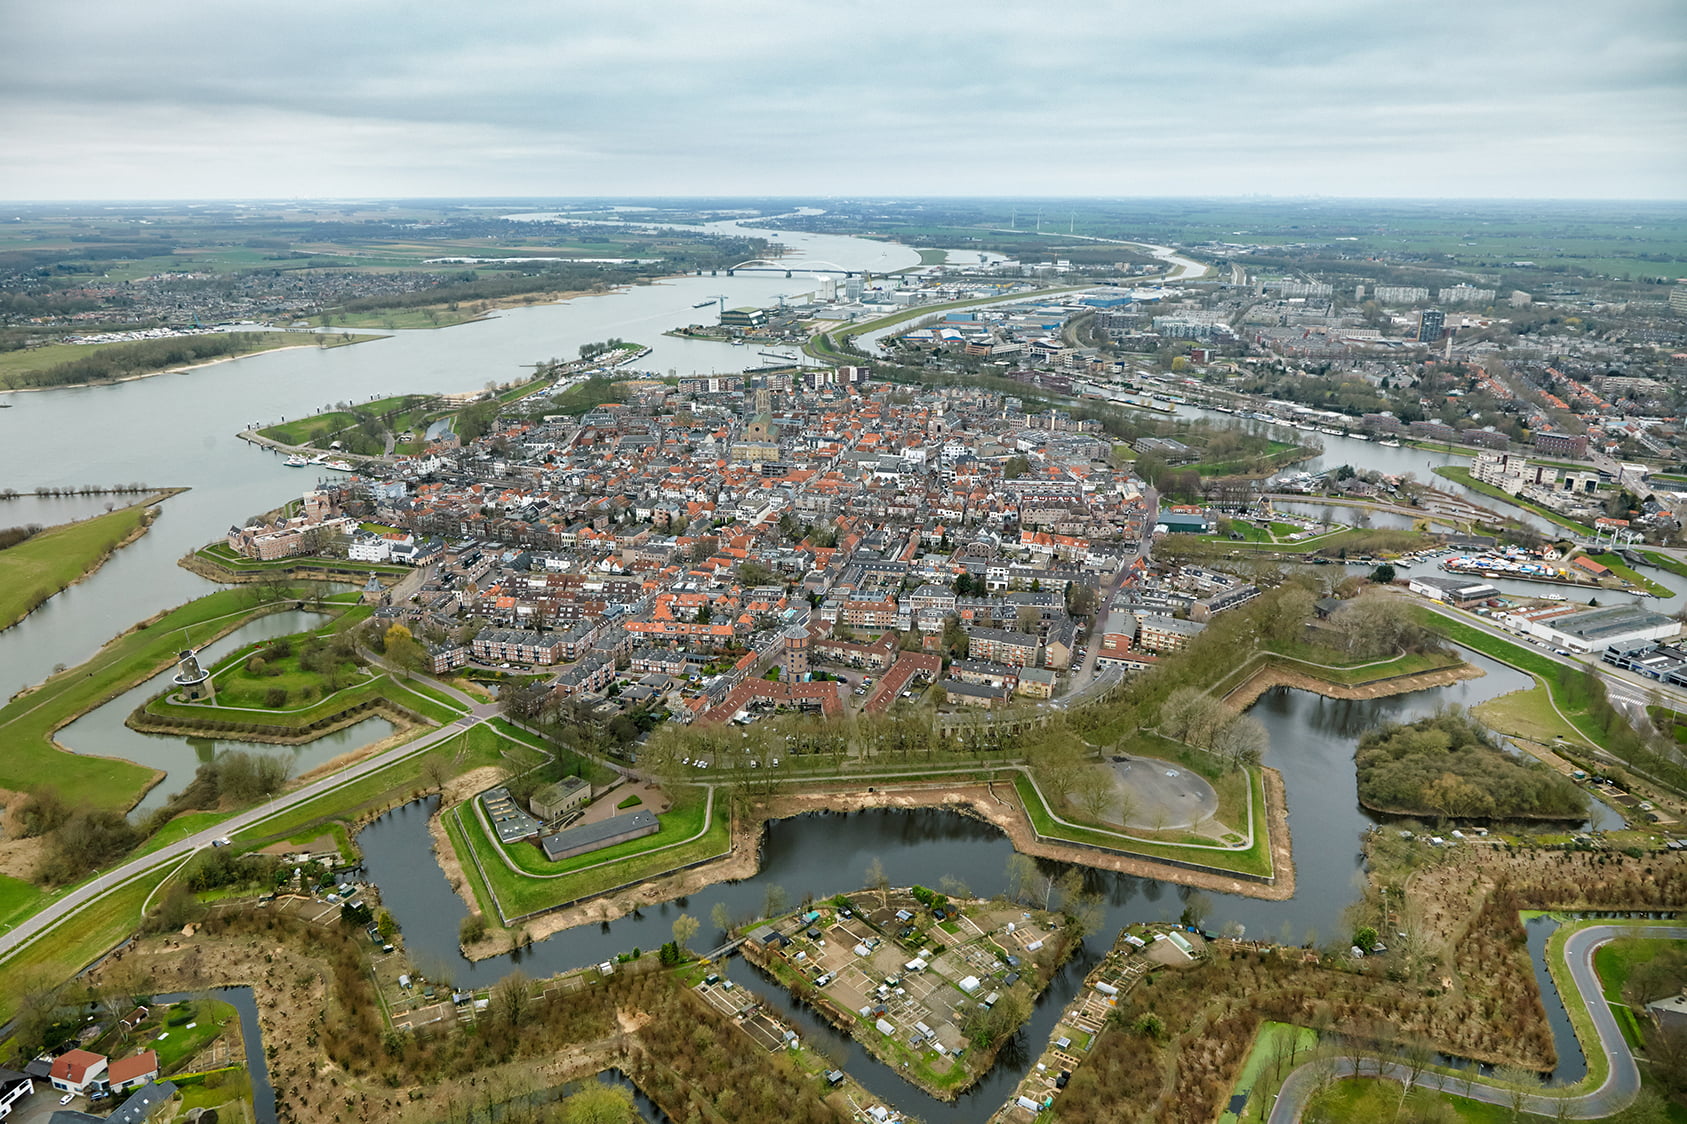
x=101, y=731
x=252, y=1041
x=1312, y=742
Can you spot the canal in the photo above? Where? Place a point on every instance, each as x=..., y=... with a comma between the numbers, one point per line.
x=101, y=731
x=1312, y=742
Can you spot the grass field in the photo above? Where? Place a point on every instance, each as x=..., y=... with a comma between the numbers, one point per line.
x=27, y=721
x=1367, y=1098
x=1665, y=562
x=407, y=410
x=1527, y=714
x=1617, y=567
x=1613, y=963
x=583, y=875
x=1260, y=1078
x=177, y=1044
x=41, y=566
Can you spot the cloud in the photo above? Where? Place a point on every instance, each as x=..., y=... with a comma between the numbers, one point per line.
x=183, y=98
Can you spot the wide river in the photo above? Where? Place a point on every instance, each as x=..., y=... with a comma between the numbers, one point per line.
x=179, y=430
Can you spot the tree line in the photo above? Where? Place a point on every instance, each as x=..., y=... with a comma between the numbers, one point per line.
x=120, y=360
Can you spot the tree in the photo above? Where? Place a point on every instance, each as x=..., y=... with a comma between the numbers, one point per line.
x=1196, y=906
x=1096, y=793
x=1023, y=877
x=721, y=917
x=508, y=1004
x=404, y=651
x=598, y=1103
x=685, y=927
x=878, y=881
x=1383, y=574
x=1519, y=1084
x=1241, y=741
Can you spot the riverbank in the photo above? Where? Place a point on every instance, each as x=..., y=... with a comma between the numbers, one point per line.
x=182, y=368
x=45, y=565
x=429, y=316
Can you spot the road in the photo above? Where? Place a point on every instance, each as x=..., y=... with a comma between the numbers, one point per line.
x=1104, y=608
x=1621, y=1083
x=115, y=879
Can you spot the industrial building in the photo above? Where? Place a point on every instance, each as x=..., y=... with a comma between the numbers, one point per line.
x=1592, y=630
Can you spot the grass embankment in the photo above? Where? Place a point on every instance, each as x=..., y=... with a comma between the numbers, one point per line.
x=31, y=759
x=1355, y=540
x=1461, y=475
x=68, y=947
x=71, y=364
x=53, y=560
x=350, y=803
x=1254, y=860
x=18, y=899
x=1615, y=564
x=677, y=843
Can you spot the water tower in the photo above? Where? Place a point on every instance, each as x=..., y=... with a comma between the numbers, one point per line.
x=193, y=681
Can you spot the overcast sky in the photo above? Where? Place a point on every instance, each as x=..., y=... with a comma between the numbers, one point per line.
x=226, y=98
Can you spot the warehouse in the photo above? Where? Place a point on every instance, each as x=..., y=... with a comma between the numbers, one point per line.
x=1593, y=630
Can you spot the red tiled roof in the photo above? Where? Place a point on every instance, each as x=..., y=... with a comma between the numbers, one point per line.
x=142, y=1065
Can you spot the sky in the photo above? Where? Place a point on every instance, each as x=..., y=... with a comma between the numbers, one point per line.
x=171, y=99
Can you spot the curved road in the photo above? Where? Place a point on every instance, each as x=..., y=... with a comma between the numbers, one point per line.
x=1621, y=1083
x=37, y=924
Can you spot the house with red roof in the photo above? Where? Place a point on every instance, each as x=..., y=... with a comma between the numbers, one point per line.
x=132, y=1072
x=76, y=1070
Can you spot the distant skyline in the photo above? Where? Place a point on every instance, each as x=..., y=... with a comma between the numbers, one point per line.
x=101, y=99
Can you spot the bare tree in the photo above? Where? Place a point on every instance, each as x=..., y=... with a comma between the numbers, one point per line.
x=1518, y=1083
x=878, y=881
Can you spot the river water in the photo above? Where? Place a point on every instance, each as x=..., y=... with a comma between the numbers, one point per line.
x=179, y=430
